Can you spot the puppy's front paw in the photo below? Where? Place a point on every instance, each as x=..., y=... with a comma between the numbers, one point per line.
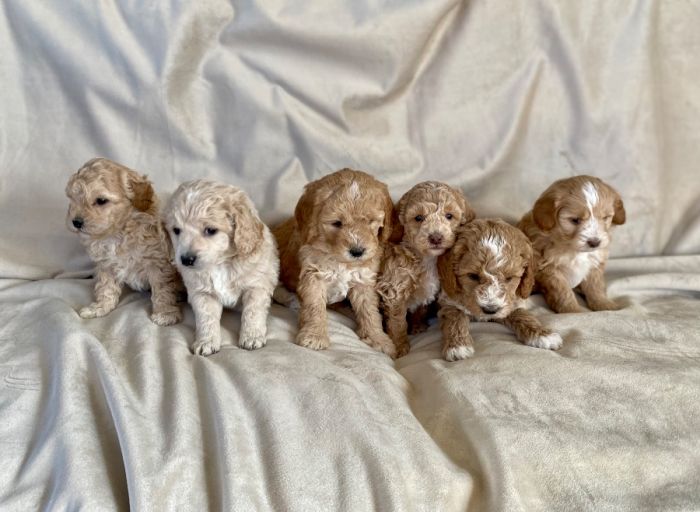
x=94, y=310
x=457, y=352
x=168, y=318
x=312, y=340
x=206, y=347
x=402, y=349
x=382, y=343
x=251, y=340
x=551, y=341
x=604, y=305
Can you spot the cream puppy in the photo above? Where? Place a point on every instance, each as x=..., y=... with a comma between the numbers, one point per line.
x=429, y=215
x=115, y=212
x=225, y=255
x=483, y=277
x=570, y=228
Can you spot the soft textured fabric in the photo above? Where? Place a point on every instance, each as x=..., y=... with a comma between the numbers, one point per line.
x=498, y=98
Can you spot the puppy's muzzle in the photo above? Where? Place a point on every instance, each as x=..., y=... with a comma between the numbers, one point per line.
x=356, y=252
x=78, y=222
x=593, y=242
x=490, y=310
x=188, y=259
x=435, y=239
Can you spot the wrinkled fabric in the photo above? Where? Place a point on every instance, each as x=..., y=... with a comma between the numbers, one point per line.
x=497, y=98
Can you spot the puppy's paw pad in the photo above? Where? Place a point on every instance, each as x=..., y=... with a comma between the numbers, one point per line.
x=92, y=311
x=459, y=352
x=205, y=347
x=313, y=341
x=164, y=319
x=552, y=341
x=252, y=341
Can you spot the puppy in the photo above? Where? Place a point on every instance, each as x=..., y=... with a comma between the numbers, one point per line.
x=115, y=213
x=429, y=214
x=570, y=227
x=331, y=249
x=225, y=254
x=484, y=276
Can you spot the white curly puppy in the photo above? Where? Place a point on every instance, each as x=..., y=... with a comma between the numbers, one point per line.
x=114, y=210
x=225, y=254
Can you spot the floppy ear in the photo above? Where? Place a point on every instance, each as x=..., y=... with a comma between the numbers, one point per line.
x=247, y=226
x=390, y=218
x=544, y=211
x=139, y=191
x=304, y=212
x=446, y=271
x=468, y=214
x=620, y=216
x=527, y=281
x=397, y=227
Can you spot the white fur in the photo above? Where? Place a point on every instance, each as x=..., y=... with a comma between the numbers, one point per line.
x=591, y=229
x=495, y=244
x=429, y=287
x=459, y=352
x=494, y=295
x=354, y=190
x=580, y=265
x=341, y=277
x=552, y=341
x=591, y=194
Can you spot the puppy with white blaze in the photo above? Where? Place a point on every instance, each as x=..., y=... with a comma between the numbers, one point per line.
x=570, y=228
x=114, y=210
x=225, y=254
x=484, y=277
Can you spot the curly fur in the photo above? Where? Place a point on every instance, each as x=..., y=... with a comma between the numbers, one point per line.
x=483, y=277
x=570, y=228
x=225, y=255
x=428, y=215
x=114, y=210
x=340, y=214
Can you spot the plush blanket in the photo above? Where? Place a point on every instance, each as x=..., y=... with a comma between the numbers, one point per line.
x=498, y=98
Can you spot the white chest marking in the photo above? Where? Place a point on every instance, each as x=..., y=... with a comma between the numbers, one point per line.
x=341, y=279
x=580, y=266
x=223, y=287
x=429, y=286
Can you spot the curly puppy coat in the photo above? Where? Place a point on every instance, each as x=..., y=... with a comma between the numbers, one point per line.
x=483, y=278
x=225, y=254
x=114, y=210
x=570, y=227
x=331, y=249
x=429, y=215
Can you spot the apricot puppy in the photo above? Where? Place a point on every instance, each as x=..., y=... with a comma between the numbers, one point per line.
x=570, y=228
x=225, y=255
x=115, y=213
x=331, y=249
x=429, y=214
x=484, y=276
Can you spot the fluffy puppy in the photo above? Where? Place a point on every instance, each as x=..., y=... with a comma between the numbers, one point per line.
x=429, y=215
x=225, y=254
x=115, y=213
x=570, y=227
x=484, y=276
x=331, y=249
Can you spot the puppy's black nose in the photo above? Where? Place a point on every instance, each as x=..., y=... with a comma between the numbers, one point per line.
x=435, y=238
x=593, y=242
x=78, y=223
x=356, y=252
x=490, y=310
x=188, y=259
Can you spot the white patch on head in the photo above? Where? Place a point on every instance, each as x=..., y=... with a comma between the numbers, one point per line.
x=591, y=228
x=459, y=352
x=495, y=244
x=552, y=341
x=354, y=190
x=590, y=192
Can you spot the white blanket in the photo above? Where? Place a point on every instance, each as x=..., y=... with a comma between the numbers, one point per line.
x=499, y=98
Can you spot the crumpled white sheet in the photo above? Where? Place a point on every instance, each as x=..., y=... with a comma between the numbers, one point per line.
x=499, y=98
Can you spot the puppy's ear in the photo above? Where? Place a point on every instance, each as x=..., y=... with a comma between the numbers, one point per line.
x=620, y=216
x=544, y=213
x=390, y=218
x=139, y=191
x=397, y=227
x=468, y=214
x=247, y=226
x=446, y=271
x=304, y=211
x=527, y=281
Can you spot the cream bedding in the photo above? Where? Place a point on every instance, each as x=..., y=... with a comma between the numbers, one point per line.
x=499, y=98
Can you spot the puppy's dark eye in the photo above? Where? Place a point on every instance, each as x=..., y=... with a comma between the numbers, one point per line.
x=473, y=276
x=575, y=220
x=449, y=216
x=509, y=279
x=101, y=201
x=210, y=231
x=337, y=224
x=419, y=218
x=176, y=231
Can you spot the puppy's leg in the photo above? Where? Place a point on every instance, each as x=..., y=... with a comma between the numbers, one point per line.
x=207, y=316
x=256, y=304
x=457, y=343
x=529, y=331
x=107, y=293
x=365, y=304
x=396, y=326
x=164, y=298
x=418, y=320
x=558, y=294
x=593, y=287
x=313, y=319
